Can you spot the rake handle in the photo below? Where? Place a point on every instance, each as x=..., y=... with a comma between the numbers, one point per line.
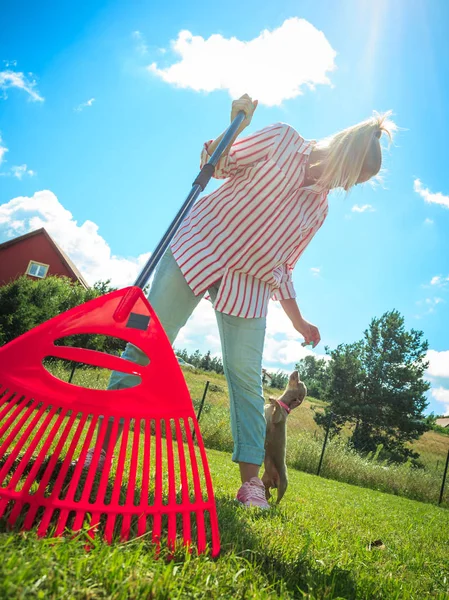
x=198, y=186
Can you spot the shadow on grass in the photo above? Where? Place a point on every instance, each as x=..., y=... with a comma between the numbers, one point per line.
x=100, y=494
x=298, y=570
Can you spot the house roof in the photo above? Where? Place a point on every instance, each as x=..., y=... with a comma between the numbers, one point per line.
x=443, y=422
x=62, y=255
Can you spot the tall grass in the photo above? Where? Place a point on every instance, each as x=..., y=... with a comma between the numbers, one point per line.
x=341, y=462
x=305, y=441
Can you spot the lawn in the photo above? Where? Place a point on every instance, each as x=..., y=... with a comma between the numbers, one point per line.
x=327, y=539
x=316, y=545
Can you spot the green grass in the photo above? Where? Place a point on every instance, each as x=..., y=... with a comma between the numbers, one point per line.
x=315, y=546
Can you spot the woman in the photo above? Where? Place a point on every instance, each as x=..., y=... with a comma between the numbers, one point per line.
x=240, y=244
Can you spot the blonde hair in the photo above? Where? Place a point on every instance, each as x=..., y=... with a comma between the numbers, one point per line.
x=344, y=153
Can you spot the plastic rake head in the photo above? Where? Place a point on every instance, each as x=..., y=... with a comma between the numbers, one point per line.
x=155, y=480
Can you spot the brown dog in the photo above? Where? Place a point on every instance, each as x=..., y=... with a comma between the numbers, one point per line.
x=276, y=412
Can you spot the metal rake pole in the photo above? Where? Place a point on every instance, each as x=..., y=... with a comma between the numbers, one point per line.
x=197, y=187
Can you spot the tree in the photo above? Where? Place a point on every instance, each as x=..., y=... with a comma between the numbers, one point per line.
x=195, y=359
x=217, y=365
x=377, y=384
x=279, y=380
x=206, y=362
x=26, y=303
x=314, y=373
x=343, y=391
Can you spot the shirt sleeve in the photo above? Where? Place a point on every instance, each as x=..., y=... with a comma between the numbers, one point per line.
x=244, y=153
x=286, y=289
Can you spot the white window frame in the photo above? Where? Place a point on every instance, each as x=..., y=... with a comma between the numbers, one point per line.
x=39, y=264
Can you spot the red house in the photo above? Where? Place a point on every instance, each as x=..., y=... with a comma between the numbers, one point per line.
x=37, y=255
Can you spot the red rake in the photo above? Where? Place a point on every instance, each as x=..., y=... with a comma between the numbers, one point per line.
x=47, y=425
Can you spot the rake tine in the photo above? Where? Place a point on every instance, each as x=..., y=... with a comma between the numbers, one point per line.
x=18, y=426
x=7, y=408
x=3, y=505
x=157, y=521
x=48, y=471
x=110, y=523
x=171, y=538
x=104, y=477
x=126, y=525
x=29, y=452
x=142, y=520
x=62, y=520
x=197, y=488
x=187, y=534
x=94, y=522
x=76, y=474
x=80, y=463
x=87, y=488
x=21, y=442
x=25, y=459
x=210, y=495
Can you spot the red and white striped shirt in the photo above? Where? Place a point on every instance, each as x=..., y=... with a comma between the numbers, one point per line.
x=251, y=231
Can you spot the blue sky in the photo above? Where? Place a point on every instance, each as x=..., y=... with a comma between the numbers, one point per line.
x=104, y=107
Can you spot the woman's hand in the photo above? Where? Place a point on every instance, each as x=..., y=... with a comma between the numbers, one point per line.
x=248, y=106
x=309, y=332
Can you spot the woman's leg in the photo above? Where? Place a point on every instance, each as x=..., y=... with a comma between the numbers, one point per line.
x=242, y=343
x=173, y=301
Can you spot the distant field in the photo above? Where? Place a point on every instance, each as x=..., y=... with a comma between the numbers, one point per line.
x=432, y=446
x=305, y=440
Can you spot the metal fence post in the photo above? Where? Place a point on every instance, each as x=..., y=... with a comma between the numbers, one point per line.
x=444, y=479
x=331, y=416
x=201, y=407
x=72, y=373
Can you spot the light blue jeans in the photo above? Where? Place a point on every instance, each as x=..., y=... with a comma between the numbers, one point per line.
x=242, y=343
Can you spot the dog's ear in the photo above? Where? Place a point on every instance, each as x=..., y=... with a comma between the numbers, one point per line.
x=272, y=400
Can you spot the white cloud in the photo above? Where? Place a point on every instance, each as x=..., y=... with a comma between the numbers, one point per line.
x=20, y=171
x=439, y=281
x=283, y=344
x=83, y=105
x=364, y=208
x=84, y=245
x=141, y=45
x=430, y=304
x=273, y=67
x=14, y=79
x=316, y=271
x=3, y=151
x=428, y=222
x=441, y=394
x=430, y=197
x=201, y=330
x=438, y=363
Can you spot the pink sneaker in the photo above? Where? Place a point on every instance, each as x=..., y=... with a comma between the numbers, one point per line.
x=89, y=457
x=252, y=493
